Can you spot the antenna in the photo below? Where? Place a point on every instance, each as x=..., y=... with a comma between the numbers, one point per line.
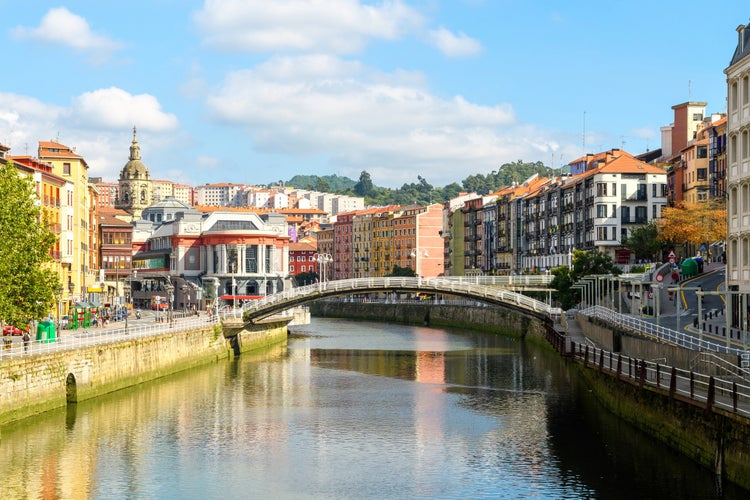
x=583, y=139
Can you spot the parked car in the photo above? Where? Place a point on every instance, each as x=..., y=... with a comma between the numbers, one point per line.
x=12, y=330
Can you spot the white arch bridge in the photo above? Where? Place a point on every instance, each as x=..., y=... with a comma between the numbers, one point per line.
x=503, y=291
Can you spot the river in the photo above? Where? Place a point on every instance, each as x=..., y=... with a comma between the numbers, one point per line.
x=351, y=410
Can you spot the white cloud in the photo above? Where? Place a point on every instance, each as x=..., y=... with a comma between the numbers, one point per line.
x=380, y=123
x=61, y=27
x=97, y=124
x=451, y=45
x=115, y=108
x=332, y=26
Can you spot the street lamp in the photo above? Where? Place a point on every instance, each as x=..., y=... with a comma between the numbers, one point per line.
x=323, y=259
x=129, y=298
x=169, y=287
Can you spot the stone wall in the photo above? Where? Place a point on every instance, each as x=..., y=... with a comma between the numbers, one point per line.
x=493, y=319
x=614, y=340
x=40, y=382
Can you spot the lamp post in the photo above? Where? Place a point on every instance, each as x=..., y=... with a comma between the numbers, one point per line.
x=59, y=304
x=323, y=259
x=234, y=294
x=169, y=287
x=129, y=298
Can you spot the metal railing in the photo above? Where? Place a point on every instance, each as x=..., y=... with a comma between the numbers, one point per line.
x=470, y=287
x=76, y=339
x=707, y=391
x=642, y=327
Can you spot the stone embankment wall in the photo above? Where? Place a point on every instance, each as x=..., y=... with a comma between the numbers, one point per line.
x=487, y=318
x=39, y=382
x=611, y=339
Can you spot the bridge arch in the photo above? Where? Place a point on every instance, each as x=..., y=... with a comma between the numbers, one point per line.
x=497, y=293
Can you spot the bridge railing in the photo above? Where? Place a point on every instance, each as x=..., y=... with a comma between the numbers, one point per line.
x=469, y=287
x=70, y=339
x=674, y=337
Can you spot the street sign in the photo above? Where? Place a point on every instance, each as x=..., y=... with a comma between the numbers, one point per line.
x=672, y=257
x=659, y=278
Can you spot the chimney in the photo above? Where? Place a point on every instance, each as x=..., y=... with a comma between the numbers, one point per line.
x=741, y=41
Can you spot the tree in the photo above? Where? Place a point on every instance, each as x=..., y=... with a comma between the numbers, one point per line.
x=27, y=284
x=364, y=186
x=693, y=223
x=644, y=242
x=306, y=278
x=585, y=263
x=402, y=271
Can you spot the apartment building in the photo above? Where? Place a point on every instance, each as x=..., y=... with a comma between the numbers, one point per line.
x=75, y=239
x=738, y=179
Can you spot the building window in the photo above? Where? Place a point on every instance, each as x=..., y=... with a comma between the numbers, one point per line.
x=601, y=211
x=251, y=259
x=66, y=168
x=601, y=189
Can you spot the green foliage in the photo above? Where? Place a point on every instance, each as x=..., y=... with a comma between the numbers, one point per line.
x=402, y=271
x=306, y=278
x=420, y=192
x=585, y=263
x=644, y=242
x=332, y=183
x=507, y=175
x=364, y=187
x=27, y=285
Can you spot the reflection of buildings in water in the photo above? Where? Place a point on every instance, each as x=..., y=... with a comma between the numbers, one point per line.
x=430, y=367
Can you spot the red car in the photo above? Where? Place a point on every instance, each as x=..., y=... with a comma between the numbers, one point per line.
x=12, y=330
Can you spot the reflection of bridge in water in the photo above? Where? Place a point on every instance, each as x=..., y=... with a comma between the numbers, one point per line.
x=504, y=291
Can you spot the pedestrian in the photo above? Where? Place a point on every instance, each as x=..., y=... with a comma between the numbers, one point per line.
x=26, y=340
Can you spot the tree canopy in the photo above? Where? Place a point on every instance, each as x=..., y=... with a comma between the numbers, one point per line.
x=27, y=284
x=644, y=242
x=693, y=223
x=421, y=192
x=585, y=263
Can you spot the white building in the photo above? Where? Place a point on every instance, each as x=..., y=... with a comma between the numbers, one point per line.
x=738, y=176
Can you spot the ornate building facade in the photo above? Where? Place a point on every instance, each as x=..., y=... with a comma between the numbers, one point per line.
x=136, y=187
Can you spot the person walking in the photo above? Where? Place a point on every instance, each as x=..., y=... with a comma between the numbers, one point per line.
x=26, y=340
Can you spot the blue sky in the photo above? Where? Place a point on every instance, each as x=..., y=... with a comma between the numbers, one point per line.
x=255, y=91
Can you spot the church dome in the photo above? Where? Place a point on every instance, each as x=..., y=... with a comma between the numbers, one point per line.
x=134, y=168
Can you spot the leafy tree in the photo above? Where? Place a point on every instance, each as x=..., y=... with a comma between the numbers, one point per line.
x=693, y=223
x=585, y=263
x=323, y=186
x=306, y=278
x=562, y=281
x=364, y=187
x=644, y=242
x=401, y=271
x=27, y=284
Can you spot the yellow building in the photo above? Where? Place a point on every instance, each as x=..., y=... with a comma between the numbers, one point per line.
x=76, y=212
x=50, y=190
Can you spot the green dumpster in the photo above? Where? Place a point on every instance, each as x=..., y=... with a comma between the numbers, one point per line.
x=689, y=268
x=45, y=331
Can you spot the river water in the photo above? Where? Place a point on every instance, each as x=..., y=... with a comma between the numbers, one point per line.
x=351, y=410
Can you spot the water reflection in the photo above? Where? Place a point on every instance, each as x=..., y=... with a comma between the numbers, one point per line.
x=350, y=410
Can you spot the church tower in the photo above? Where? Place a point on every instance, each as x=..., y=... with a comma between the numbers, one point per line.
x=135, y=186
